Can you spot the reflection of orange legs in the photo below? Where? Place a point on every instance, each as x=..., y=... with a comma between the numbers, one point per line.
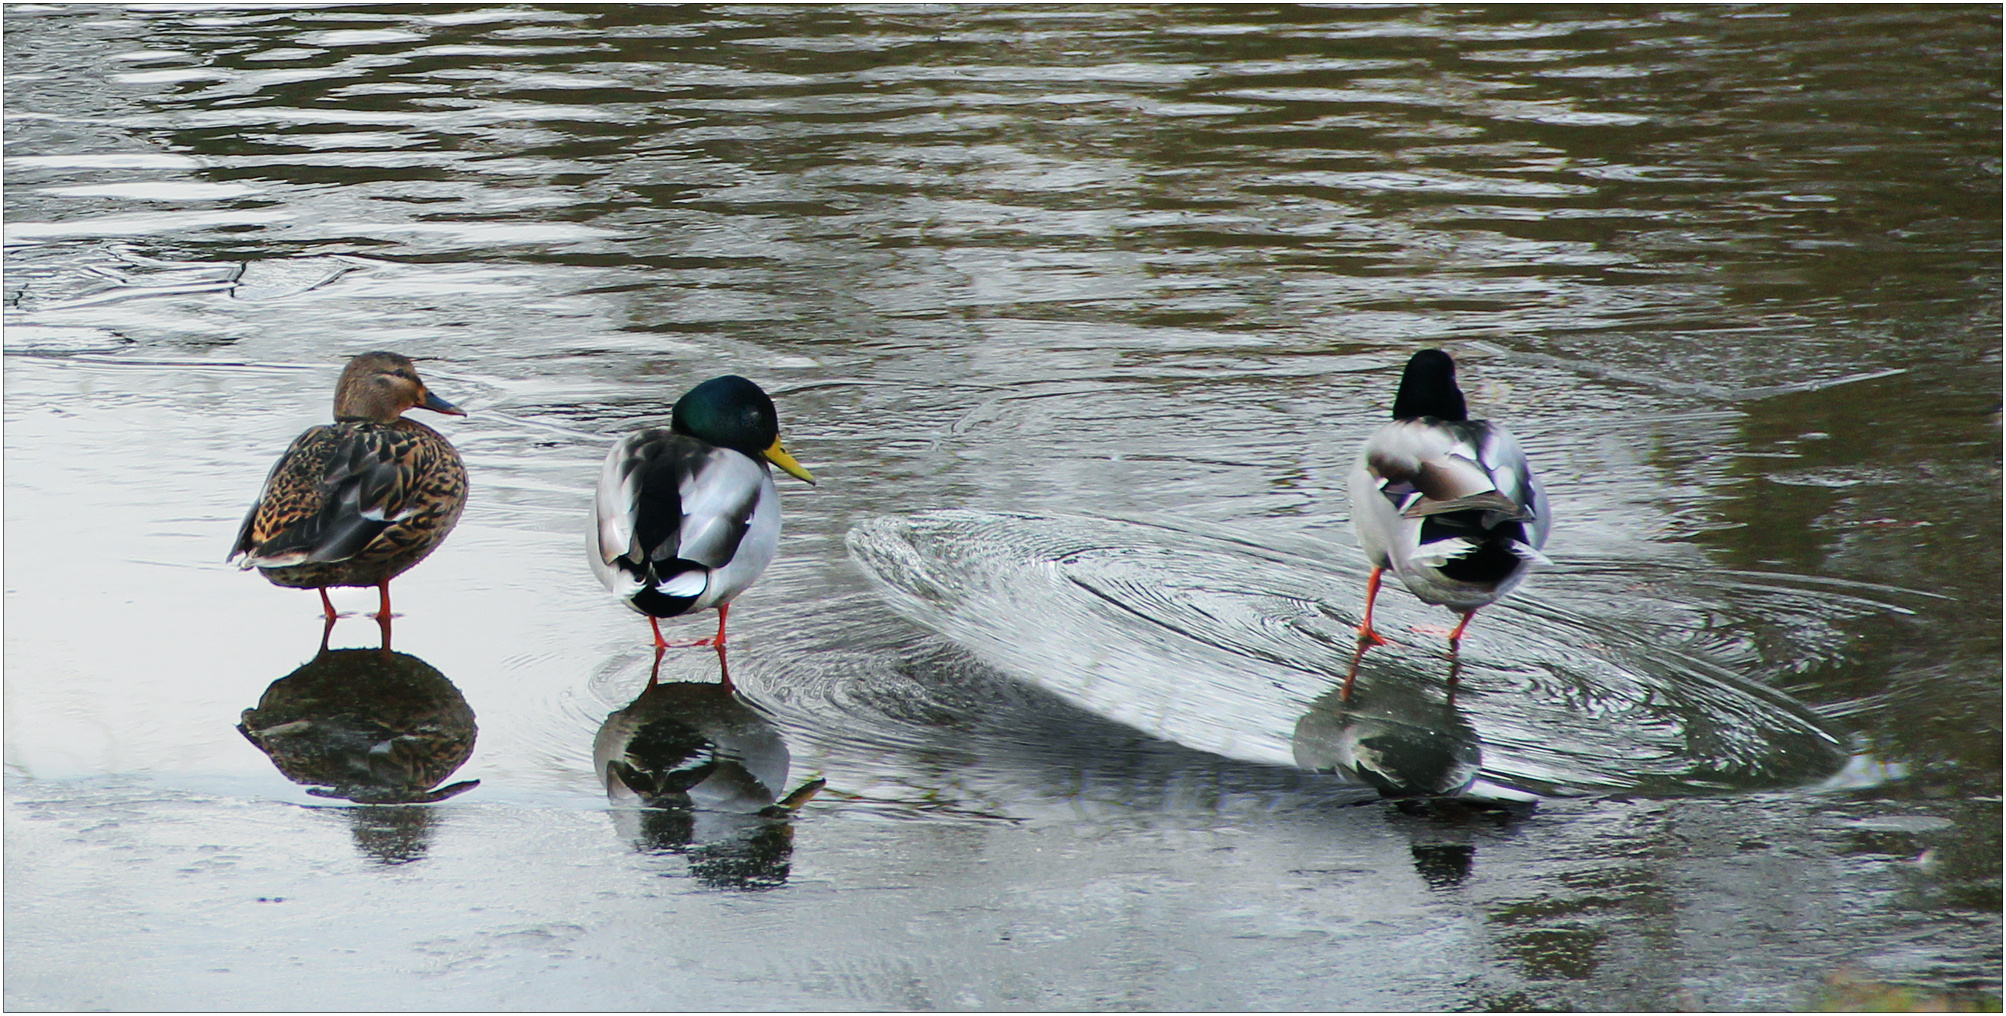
x=655, y=672
x=723, y=669
x=1351, y=674
x=1365, y=633
x=1367, y=639
x=382, y=615
x=723, y=611
x=1455, y=672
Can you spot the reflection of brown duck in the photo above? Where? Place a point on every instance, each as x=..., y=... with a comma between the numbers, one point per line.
x=707, y=770
x=358, y=502
x=1392, y=736
x=368, y=725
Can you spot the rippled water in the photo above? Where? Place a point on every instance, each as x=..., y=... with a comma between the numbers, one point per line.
x=1230, y=647
x=1138, y=277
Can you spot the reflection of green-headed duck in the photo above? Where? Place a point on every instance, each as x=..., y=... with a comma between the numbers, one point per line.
x=1448, y=503
x=691, y=744
x=686, y=516
x=707, y=770
x=358, y=501
x=367, y=725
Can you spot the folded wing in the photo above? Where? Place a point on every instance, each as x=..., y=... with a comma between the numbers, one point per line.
x=670, y=508
x=308, y=514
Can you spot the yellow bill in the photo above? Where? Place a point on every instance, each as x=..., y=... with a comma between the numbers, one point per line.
x=779, y=457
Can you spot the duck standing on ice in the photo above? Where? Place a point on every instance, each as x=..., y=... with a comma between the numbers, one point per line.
x=1448, y=503
x=686, y=516
x=359, y=501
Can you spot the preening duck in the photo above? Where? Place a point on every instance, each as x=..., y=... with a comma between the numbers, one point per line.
x=686, y=516
x=1448, y=503
x=358, y=502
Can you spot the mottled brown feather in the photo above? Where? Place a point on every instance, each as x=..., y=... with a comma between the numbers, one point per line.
x=428, y=481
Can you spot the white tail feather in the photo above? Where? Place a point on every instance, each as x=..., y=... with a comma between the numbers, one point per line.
x=689, y=583
x=1441, y=552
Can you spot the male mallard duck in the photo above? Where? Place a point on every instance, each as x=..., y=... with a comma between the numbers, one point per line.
x=1447, y=502
x=358, y=502
x=687, y=516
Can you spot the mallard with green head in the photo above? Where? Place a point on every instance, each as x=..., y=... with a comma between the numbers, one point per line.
x=686, y=516
x=359, y=501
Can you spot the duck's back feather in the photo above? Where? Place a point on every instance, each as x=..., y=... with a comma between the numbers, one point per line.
x=337, y=488
x=1450, y=506
x=673, y=514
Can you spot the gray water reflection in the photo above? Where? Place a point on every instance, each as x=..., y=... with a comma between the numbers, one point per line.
x=1397, y=738
x=1731, y=274
x=370, y=725
x=708, y=772
x=1221, y=643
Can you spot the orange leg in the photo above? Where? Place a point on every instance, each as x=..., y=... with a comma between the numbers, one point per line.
x=326, y=605
x=383, y=601
x=1365, y=632
x=723, y=669
x=659, y=644
x=1456, y=637
x=723, y=610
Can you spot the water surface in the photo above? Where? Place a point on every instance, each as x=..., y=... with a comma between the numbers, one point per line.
x=1731, y=274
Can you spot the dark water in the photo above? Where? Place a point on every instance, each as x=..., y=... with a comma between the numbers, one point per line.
x=1731, y=274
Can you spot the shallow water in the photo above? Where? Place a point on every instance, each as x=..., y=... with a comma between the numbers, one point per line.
x=1731, y=274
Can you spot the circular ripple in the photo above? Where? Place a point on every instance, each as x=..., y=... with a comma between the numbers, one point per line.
x=1241, y=649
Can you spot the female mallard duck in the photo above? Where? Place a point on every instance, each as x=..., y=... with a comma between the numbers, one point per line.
x=1447, y=502
x=359, y=502
x=687, y=516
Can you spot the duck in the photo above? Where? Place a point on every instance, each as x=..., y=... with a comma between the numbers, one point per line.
x=1449, y=504
x=360, y=501
x=686, y=517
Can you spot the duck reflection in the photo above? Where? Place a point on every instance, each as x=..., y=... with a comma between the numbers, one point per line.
x=705, y=770
x=1392, y=735
x=1420, y=752
x=370, y=726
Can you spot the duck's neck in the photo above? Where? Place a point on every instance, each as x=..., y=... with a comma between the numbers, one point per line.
x=1443, y=402
x=352, y=408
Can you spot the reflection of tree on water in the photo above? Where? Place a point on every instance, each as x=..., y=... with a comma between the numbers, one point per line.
x=371, y=726
x=706, y=769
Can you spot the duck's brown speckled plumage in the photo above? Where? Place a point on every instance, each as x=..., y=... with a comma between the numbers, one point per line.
x=359, y=501
x=397, y=468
